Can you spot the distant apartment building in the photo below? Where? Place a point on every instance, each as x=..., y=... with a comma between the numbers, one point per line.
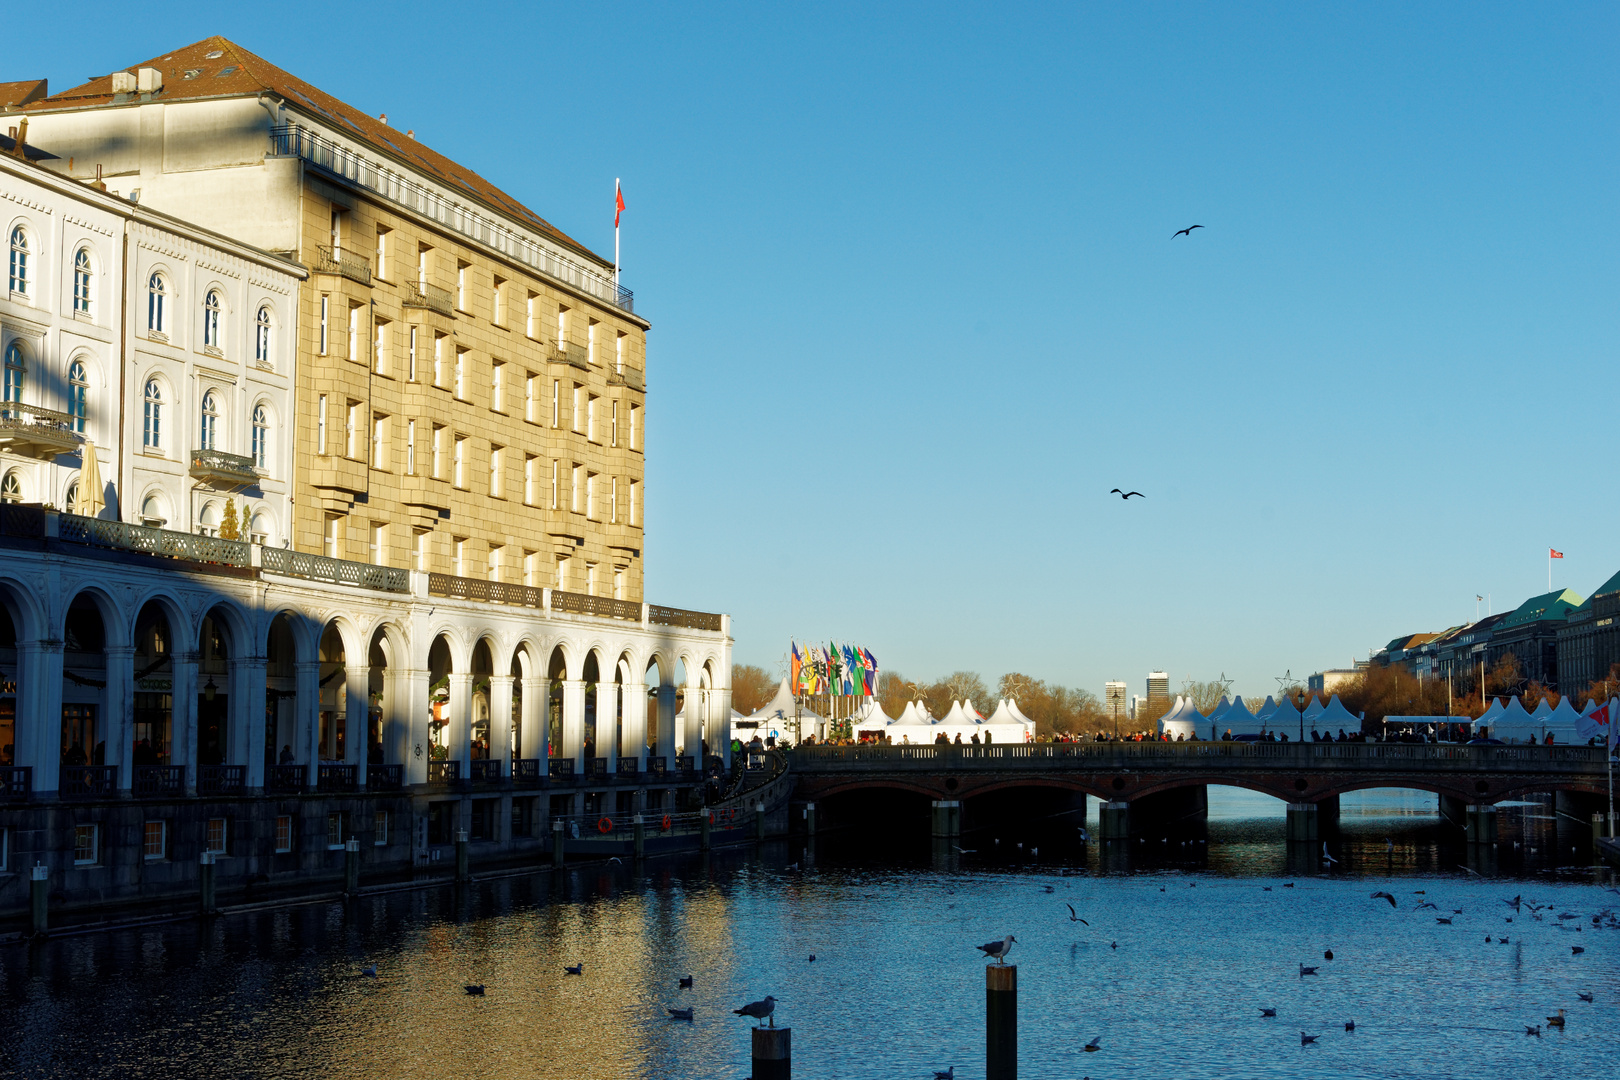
x=1114, y=700
x=1158, y=689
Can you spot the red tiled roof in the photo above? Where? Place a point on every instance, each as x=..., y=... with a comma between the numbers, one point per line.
x=14, y=95
x=219, y=68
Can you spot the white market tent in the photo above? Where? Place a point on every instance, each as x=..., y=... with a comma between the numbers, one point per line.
x=1488, y=720
x=872, y=720
x=1267, y=707
x=1513, y=724
x=1221, y=708
x=1564, y=724
x=1315, y=708
x=1240, y=721
x=1012, y=707
x=1336, y=716
x=1182, y=719
x=781, y=718
x=1283, y=718
x=1542, y=711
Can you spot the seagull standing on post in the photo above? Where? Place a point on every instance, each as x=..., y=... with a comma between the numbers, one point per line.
x=998, y=950
x=759, y=1010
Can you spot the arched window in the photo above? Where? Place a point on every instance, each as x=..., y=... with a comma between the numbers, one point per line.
x=210, y=420
x=261, y=337
x=70, y=505
x=81, y=282
x=157, y=291
x=261, y=435
x=211, y=304
x=11, y=488
x=152, y=428
x=78, y=395
x=16, y=374
x=19, y=261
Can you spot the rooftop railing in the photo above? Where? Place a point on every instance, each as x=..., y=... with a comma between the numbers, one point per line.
x=692, y=620
x=346, y=264
x=604, y=606
x=490, y=592
x=294, y=140
x=337, y=571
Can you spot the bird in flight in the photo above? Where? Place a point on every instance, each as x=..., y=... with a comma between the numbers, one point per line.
x=1385, y=896
x=1187, y=231
x=1073, y=916
x=1127, y=494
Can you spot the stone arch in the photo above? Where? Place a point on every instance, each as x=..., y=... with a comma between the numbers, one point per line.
x=482, y=667
x=163, y=683
x=287, y=641
x=222, y=636
x=442, y=663
x=387, y=721
x=90, y=695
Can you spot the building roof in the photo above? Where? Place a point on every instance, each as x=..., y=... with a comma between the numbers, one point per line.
x=217, y=68
x=14, y=95
x=1553, y=605
x=1612, y=585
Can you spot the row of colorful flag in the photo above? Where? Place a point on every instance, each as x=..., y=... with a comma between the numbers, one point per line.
x=837, y=669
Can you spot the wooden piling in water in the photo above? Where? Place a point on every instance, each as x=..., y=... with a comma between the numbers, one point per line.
x=1000, y=1022
x=40, y=885
x=463, y=867
x=351, y=866
x=205, y=883
x=773, y=1053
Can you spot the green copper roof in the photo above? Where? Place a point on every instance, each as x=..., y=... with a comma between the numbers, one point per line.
x=1553, y=605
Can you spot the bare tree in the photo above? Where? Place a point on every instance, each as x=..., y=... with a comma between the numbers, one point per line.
x=751, y=688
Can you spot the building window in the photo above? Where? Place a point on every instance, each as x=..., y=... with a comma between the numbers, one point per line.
x=590, y=341
x=351, y=433
x=613, y=505
x=325, y=337
x=86, y=845
x=82, y=277
x=458, y=545
x=496, y=488
x=261, y=337
x=618, y=351
x=578, y=418
x=528, y=316
x=420, y=550
x=261, y=436
x=283, y=833
x=152, y=425
x=155, y=844
x=16, y=373
x=211, y=305
x=531, y=469
x=157, y=296
x=379, y=543
x=461, y=286
x=411, y=357
x=320, y=426
x=556, y=404
x=493, y=564
x=590, y=579
x=562, y=572
x=497, y=303
x=562, y=329
x=354, y=332
x=556, y=467
x=529, y=390
x=577, y=486
x=497, y=376
x=11, y=488
x=78, y=395
x=531, y=568
x=613, y=425
x=334, y=830
x=19, y=261
x=379, y=828
x=218, y=836
x=379, y=346
x=382, y=252
x=210, y=421
x=334, y=536
x=635, y=415
x=71, y=500
x=635, y=503
x=438, y=360
x=423, y=253
x=461, y=374
x=590, y=496
x=618, y=584
x=410, y=447
x=458, y=462
x=379, y=441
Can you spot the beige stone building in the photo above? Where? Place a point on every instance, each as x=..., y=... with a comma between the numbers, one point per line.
x=471, y=381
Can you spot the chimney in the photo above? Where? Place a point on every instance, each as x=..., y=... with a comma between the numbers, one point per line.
x=97, y=182
x=411, y=134
x=123, y=82
x=148, y=80
x=21, y=135
x=383, y=118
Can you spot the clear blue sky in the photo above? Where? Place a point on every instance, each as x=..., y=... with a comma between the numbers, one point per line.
x=916, y=307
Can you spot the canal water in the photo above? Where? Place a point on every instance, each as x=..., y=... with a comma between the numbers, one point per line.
x=1188, y=938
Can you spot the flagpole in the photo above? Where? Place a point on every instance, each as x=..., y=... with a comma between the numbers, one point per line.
x=616, y=190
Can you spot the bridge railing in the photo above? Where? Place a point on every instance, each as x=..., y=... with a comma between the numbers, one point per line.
x=1191, y=754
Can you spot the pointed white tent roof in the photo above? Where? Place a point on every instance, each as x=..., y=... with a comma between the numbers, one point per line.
x=1283, y=718
x=1564, y=723
x=1012, y=707
x=913, y=715
x=1267, y=707
x=1238, y=719
x=956, y=716
x=1315, y=708
x=1180, y=720
x=874, y=716
x=1542, y=711
x=1490, y=714
x=1004, y=715
x=1220, y=709
x=1337, y=716
x=777, y=718
x=972, y=713
x=1514, y=724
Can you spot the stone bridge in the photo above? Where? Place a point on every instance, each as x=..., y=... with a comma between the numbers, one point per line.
x=1171, y=779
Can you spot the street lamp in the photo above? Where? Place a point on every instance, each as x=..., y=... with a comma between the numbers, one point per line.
x=1299, y=699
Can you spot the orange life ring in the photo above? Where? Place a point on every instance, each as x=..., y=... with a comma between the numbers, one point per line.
x=605, y=825
x=666, y=823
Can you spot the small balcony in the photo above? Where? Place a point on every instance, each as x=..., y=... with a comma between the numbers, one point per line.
x=221, y=779
x=221, y=470
x=284, y=778
x=88, y=781
x=34, y=432
x=335, y=777
x=634, y=378
x=345, y=264
x=526, y=771
x=444, y=773
x=571, y=354
x=431, y=297
x=385, y=777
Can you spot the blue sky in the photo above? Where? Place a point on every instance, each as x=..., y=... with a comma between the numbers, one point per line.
x=916, y=307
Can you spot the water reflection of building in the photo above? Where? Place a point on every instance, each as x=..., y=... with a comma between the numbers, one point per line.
x=198, y=663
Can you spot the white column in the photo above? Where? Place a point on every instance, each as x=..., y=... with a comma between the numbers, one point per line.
x=39, y=711
x=532, y=739
x=414, y=712
x=573, y=722
x=607, y=724
x=460, y=747
x=118, y=702
x=635, y=723
x=183, y=718
x=722, y=728
x=245, y=736
x=666, y=725
x=697, y=707
x=500, y=721
x=357, y=718
x=307, y=719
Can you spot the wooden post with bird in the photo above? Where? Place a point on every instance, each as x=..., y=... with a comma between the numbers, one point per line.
x=1000, y=1022
x=773, y=1053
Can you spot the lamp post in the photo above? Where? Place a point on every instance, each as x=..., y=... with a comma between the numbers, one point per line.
x=1299, y=699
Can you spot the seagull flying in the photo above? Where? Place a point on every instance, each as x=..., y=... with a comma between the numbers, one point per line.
x=680, y=1014
x=998, y=950
x=1385, y=896
x=758, y=1010
x=1074, y=917
x=1127, y=494
x=1187, y=231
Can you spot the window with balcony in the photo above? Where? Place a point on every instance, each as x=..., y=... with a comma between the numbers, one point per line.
x=618, y=584
x=421, y=549
x=334, y=536
x=590, y=579
x=492, y=565
x=21, y=283
x=458, y=561
x=152, y=417
x=157, y=300
x=531, y=569
x=379, y=543
x=211, y=308
x=78, y=401
x=339, y=221
x=83, y=280
x=424, y=265
x=261, y=337
x=16, y=373
x=563, y=567
x=261, y=437
x=562, y=327
x=210, y=422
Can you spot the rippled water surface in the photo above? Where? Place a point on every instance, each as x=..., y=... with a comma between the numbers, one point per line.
x=896, y=989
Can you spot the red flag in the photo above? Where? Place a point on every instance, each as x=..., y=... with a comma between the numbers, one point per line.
x=618, y=208
x=1551, y=554
x=1600, y=716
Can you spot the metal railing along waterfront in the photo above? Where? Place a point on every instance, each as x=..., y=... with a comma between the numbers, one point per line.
x=344, y=263
x=303, y=564
x=294, y=140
